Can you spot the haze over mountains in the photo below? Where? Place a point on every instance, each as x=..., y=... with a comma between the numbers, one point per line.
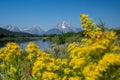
x=62, y=27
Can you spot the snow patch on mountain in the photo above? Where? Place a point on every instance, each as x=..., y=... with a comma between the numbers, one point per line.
x=33, y=30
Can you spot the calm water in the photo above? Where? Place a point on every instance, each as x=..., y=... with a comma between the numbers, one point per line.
x=42, y=44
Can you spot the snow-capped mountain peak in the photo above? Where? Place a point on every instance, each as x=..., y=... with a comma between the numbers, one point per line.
x=63, y=25
x=24, y=29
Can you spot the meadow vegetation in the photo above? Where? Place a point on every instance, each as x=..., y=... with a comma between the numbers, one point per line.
x=96, y=56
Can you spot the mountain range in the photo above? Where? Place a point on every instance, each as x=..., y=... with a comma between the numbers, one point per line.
x=11, y=28
x=33, y=30
x=7, y=33
x=62, y=27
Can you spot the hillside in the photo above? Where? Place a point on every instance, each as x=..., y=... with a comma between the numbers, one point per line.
x=7, y=33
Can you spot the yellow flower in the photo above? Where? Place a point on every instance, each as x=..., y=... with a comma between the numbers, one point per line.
x=2, y=55
x=82, y=16
x=30, y=56
x=84, y=25
x=64, y=78
x=38, y=74
x=64, y=61
x=13, y=69
x=75, y=78
x=77, y=63
x=3, y=66
x=58, y=61
x=7, y=58
x=72, y=46
x=98, y=29
x=67, y=70
x=89, y=21
x=92, y=25
x=49, y=76
x=32, y=45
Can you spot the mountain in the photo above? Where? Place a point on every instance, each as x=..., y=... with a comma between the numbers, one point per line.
x=11, y=28
x=7, y=33
x=63, y=26
x=4, y=31
x=66, y=27
x=118, y=28
x=53, y=31
x=33, y=30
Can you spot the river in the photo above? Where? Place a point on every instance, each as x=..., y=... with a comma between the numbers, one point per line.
x=41, y=43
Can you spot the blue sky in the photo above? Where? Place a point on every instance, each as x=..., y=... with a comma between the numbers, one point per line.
x=48, y=13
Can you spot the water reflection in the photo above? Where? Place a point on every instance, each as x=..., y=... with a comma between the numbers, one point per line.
x=42, y=44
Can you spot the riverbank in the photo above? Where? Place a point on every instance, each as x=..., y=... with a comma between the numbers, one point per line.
x=21, y=38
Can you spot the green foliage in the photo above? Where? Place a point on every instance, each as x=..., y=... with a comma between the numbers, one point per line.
x=66, y=38
x=101, y=25
x=62, y=38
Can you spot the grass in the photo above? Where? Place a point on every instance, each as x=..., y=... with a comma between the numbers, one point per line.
x=58, y=51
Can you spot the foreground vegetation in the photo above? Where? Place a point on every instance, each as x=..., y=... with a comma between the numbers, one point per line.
x=96, y=57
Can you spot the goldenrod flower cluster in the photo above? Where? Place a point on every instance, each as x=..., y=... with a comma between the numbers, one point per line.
x=96, y=57
x=89, y=26
x=10, y=57
x=2, y=66
x=32, y=49
x=10, y=51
